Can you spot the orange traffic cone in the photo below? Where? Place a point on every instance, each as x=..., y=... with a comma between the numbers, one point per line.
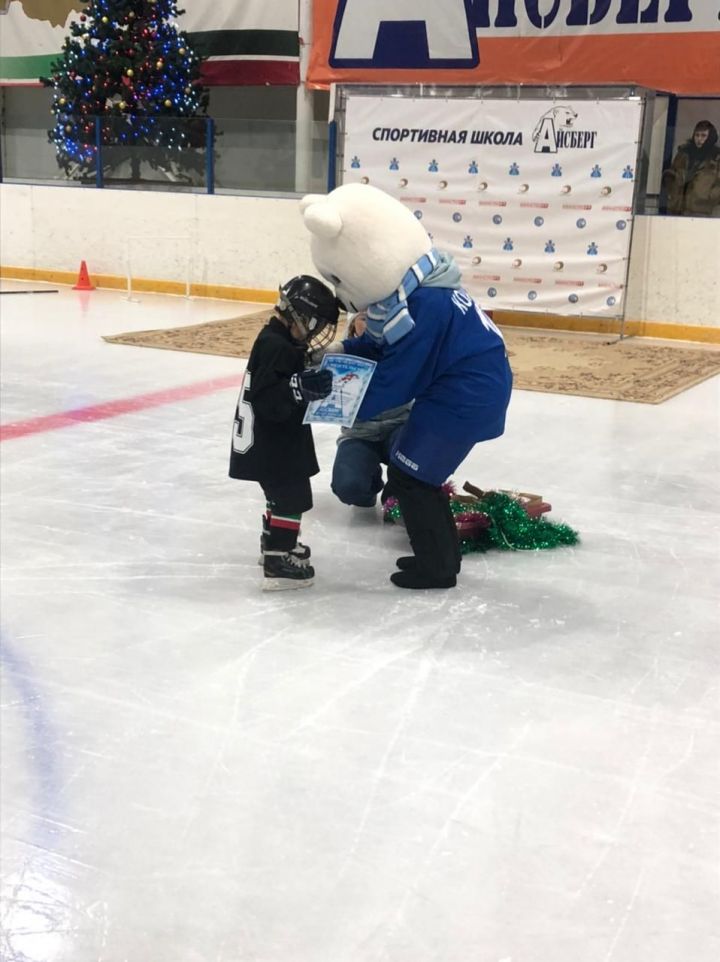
x=83, y=281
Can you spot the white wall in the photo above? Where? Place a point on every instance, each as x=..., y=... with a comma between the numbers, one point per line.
x=236, y=240
x=674, y=275
x=256, y=242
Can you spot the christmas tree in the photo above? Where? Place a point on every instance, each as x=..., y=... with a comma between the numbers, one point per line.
x=126, y=62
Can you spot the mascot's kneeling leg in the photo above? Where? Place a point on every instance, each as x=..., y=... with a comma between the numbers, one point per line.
x=432, y=533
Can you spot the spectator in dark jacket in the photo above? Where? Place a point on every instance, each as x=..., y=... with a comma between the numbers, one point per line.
x=692, y=183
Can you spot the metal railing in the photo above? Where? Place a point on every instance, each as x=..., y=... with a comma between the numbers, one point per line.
x=224, y=155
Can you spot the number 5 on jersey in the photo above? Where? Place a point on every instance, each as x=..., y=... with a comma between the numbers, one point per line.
x=244, y=419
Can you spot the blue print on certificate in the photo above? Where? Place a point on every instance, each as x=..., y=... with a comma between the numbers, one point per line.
x=351, y=378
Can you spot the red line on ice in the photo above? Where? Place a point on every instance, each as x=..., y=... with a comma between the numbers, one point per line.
x=113, y=409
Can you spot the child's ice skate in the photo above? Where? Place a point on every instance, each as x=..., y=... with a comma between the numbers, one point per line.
x=300, y=551
x=283, y=570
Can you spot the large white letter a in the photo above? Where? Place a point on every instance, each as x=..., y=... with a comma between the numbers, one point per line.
x=450, y=36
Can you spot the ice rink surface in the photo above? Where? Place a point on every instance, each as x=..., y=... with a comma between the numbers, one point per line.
x=522, y=769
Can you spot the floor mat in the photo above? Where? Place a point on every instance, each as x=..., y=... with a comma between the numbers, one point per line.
x=580, y=364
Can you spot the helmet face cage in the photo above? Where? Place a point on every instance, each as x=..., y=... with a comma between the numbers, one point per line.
x=312, y=307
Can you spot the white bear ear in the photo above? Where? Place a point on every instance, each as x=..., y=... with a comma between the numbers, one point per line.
x=309, y=199
x=323, y=220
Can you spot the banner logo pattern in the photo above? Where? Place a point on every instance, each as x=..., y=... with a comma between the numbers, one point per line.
x=532, y=198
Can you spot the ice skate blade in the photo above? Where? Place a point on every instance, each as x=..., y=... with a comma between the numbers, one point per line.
x=286, y=584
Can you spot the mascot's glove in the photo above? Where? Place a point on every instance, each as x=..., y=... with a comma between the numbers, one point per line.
x=317, y=354
x=311, y=385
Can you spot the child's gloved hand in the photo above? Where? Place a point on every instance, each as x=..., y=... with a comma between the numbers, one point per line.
x=311, y=385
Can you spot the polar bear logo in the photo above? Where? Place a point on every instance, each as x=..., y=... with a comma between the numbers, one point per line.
x=544, y=135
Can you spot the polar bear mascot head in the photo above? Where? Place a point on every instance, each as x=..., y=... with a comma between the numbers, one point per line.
x=373, y=251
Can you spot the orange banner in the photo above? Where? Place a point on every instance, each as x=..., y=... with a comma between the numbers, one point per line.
x=667, y=45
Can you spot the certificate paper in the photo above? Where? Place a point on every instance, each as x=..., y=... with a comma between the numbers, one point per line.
x=351, y=377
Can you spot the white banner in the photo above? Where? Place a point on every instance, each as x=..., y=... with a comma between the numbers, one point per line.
x=533, y=198
x=242, y=41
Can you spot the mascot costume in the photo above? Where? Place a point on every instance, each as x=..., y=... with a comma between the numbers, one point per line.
x=432, y=344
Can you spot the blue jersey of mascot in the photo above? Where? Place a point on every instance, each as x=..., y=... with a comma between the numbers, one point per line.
x=454, y=364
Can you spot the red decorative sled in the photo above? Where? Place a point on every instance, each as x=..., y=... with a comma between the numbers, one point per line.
x=532, y=504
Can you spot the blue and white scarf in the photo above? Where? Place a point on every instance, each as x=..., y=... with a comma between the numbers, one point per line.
x=389, y=320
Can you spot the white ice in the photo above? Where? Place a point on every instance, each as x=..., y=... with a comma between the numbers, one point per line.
x=523, y=769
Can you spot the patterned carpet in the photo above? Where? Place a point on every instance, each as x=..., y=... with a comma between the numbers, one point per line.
x=581, y=364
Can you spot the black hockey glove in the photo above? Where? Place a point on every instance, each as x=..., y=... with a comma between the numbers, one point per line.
x=311, y=385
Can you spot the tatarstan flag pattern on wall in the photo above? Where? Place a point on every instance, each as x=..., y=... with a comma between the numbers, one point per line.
x=242, y=41
x=667, y=45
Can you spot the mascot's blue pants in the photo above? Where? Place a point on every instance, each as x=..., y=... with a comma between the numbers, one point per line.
x=432, y=457
x=444, y=428
x=427, y=456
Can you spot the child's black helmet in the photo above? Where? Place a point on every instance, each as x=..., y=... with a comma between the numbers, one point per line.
x=312, y=306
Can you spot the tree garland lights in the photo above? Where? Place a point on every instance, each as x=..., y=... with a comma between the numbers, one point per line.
x=495, y=519
x=124, y=60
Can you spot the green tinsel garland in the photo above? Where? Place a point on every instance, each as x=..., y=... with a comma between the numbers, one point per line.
x=510, y=527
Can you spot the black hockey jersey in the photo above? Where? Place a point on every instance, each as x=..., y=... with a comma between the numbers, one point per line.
x=270, y=444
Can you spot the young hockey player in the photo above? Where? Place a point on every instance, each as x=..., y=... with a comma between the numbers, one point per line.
x=270, y=444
